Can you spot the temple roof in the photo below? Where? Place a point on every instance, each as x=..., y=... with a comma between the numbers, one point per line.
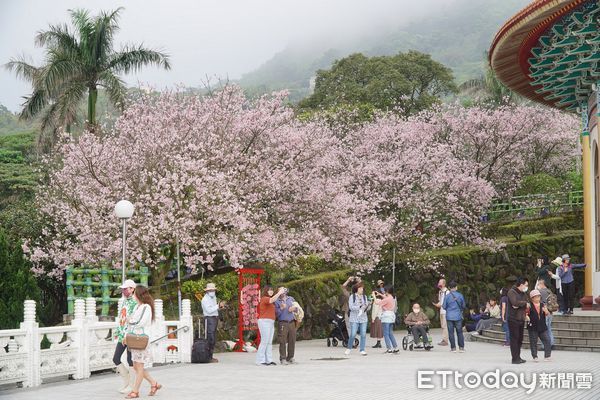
x=549, y=52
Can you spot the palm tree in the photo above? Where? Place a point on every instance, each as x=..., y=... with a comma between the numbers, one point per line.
x=78, y=63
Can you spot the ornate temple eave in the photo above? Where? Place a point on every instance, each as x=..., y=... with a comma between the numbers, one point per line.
x=511, y=49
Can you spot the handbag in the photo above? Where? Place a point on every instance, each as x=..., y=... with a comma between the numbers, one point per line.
x=137, y=342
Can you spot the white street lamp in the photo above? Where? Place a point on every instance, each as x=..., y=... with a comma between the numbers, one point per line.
x=124, y=211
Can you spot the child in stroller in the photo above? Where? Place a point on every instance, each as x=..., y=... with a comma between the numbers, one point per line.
x=339, y=333
x=417, y=324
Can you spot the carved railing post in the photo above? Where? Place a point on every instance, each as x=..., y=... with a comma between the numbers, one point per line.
x=185, y=338
x=31, y=345
x=159, y=349
x=81, y=340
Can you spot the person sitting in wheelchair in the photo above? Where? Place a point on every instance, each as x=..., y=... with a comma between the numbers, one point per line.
x=418, y=323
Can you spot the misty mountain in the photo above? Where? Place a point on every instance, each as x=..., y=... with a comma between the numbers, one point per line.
x=457, y=35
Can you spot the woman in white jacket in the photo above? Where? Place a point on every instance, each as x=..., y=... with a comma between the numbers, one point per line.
x=139, y=323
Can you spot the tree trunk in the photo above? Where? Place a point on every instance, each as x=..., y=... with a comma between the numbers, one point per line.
x=92, y=97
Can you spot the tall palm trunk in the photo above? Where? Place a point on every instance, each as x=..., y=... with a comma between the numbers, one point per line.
x=92, y=97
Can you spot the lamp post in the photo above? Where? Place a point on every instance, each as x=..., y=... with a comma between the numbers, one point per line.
x=124, y=211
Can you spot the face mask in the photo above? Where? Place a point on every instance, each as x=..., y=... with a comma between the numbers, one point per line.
x=439, y=286
x=212, y=294
x=416, y=310
x=525, y=289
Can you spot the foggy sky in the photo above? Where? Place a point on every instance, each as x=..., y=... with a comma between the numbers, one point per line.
x=215, y=38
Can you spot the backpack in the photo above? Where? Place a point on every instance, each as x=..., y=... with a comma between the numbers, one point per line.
x=552, y=303
x=298, y=314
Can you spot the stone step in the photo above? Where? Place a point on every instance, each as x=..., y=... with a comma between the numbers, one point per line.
x=562, y=340
x=486, y=339
x=581, y=326
x=570, y=333
x=577, y=318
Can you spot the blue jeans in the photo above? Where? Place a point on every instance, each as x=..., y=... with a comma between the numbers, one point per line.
x=388, y=335
x=456, y=325
x=506, y=331
x=360, y=327
x=266, y=327
x=549, y=325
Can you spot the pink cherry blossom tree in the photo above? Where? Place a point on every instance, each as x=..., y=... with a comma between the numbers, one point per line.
x=508, y=142
x=221, y=175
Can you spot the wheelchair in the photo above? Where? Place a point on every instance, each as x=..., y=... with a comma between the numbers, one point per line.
x=408, y=341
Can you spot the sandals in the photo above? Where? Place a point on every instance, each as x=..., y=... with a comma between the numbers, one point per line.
x=154, y=389
x=133, y=395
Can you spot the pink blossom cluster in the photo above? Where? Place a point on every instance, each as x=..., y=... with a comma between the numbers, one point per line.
x=243, y=179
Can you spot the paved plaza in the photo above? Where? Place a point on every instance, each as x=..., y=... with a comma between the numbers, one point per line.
x=324, y=373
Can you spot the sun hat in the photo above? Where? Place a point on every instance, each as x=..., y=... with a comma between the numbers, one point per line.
x=557, y=261
x=210, y=287
x=534, y=293
x=566, y=257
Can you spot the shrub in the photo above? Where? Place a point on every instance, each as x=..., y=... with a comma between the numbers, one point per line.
x=538, y=183
x=227, y=286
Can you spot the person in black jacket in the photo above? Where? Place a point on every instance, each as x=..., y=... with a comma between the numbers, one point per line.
x=537, y=327
x=517, y=308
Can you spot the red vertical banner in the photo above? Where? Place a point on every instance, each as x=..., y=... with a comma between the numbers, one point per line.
x=249, y=297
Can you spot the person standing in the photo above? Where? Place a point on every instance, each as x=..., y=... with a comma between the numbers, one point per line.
x=454, y=304
x=210, y=310
x=350, y=282
x=517, y=308
x=537, y=326
x=504, y=315
x=557, y=262
x=544, y=271
x=358, y=305
x=545, y=294
x=128, y=305
x=284, y=311
x=140, y=324
x=266, y=326
x=376, y=331
x=387, y=304
x=443, y=291
x=566, y=275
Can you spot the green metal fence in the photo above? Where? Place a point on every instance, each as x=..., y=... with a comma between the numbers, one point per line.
x=535, y=205
x=100, y=283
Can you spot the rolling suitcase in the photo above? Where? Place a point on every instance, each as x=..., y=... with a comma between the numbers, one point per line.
x=201, y=348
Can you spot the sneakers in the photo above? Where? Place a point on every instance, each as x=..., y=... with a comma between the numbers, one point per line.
x=396, y=351
x=474, y=333
x=535, y=359
x=283, y=362
x=443, y=343
x=547, y=359
x=363, y=353
x=506, y=344
x=347, y=352
x=291, y=361
x=272, y=363
x=377, y=345
x=452, y=350
x=461, y=350
x=390, y=351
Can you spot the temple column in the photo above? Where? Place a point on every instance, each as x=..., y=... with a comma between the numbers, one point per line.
x=588, y=204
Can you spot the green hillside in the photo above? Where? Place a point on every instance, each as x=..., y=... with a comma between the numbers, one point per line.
x=457, y=35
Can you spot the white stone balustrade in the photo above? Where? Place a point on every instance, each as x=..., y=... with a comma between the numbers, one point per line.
x=84, y=346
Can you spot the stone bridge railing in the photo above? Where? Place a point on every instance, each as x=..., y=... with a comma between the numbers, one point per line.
x=84, y=346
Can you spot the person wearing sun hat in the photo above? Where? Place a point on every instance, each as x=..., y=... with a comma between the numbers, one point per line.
x=557, y=262
x=127, y=307
x=537, y=327
x=210, y=309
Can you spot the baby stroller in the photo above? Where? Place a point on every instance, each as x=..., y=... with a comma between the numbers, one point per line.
x=408, y=341
x=339, y=333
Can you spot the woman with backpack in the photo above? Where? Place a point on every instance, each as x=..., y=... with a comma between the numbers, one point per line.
x=358, y=305
x=537, y=327
x=454, y=304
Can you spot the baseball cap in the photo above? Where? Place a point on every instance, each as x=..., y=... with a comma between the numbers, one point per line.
x=129, y=283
